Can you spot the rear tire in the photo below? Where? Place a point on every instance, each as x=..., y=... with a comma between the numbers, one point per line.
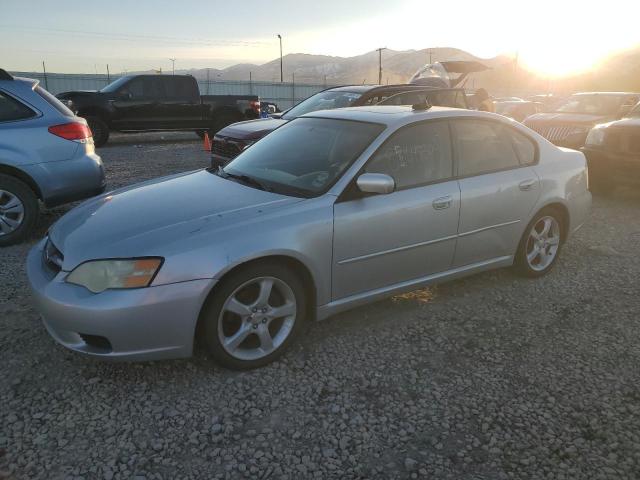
x=540, y=244
x=18, y=210
x=254, y=314
x=99, y=130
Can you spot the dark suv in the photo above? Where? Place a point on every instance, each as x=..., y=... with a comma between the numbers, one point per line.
x=613, y=152
x=230, y=141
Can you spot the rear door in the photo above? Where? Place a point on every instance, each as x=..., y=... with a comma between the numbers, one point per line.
x=181, y=107
x=498, y=186
x=383, y=240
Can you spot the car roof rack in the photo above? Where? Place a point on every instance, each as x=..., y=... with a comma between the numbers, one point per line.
x=4, y=75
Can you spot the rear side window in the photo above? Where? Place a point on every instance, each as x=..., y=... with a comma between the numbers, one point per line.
x=54, y=102
x=415, y=155
x=12, y=110
x=178, y=87
x=144, y=87
x=525, y=149
x=484, y=146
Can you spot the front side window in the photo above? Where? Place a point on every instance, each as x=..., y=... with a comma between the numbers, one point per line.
x=327, y=100
x=415, y=155
x=484, y=146
x=304, y=157
x=144, y=87
x=12, y=110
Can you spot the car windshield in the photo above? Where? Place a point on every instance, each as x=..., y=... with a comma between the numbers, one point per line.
x=303, y=158
x=327, y=100
x=115, y=85
x=635, y=112
x=591, y=104
x=506, y=108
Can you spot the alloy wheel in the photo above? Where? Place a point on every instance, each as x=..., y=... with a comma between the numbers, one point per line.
x=543, y=243
x=257, y=318
x=11, y=212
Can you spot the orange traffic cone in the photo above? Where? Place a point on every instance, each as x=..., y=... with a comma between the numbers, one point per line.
x=207, y=142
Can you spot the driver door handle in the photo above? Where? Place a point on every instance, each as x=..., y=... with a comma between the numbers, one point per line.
x=527, y=184
x=442, y=202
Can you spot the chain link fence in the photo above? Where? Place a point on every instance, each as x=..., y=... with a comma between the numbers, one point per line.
x=284, y=94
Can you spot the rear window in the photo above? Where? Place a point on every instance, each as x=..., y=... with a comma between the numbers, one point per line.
x=54, y=102
x=12, y=110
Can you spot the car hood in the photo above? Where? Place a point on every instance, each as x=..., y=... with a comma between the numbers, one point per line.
x=251, y=129
x=625, y=122
x=145, y=219
x=572, y=118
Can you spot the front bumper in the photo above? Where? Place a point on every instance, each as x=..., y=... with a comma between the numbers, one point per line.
x=139, y=324
x=620, y=168
x=69, y=180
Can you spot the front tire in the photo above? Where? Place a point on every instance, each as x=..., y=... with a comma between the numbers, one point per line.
x=18, y=210
x=540, y=245
x=99, y=130
x=254, y=315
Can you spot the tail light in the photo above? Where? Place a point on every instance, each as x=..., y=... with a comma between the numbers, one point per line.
x=255, y=106
x=75, y=131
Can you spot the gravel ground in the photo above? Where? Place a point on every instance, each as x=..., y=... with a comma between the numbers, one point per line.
x=490, y=377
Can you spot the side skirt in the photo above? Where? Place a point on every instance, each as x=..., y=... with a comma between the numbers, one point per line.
x=352, y=301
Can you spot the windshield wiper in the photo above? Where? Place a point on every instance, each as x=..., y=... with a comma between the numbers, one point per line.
x=246, y=179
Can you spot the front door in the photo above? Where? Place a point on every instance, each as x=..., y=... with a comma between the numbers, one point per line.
x=384, y=240
x=498, y=186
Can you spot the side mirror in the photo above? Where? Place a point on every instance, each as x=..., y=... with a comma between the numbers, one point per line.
x=376, y=183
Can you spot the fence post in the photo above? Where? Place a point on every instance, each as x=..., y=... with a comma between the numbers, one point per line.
x=250, y=84
x=293, y=89
x=44, y=70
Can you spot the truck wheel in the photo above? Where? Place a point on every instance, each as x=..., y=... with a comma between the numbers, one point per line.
x=99, y=129
x=18, y=210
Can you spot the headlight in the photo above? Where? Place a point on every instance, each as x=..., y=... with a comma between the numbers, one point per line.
x=100, y=275
x=595, y=137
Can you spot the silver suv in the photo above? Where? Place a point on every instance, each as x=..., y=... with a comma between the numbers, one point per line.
x=46, y=154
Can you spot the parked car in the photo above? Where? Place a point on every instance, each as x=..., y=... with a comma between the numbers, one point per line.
x=549, y=101
x=46, y=154
x=517, y=109
x=230, y=141
x=569, y=124
x=135, y=103
x=332, y=210
x=613, y=153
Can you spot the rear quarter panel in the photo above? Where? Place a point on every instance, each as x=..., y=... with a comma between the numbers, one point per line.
x=564, y=179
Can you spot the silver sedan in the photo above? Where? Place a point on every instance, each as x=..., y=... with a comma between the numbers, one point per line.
x=333, y=210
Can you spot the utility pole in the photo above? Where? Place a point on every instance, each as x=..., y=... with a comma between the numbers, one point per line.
x=108, y=75
x=281, y=71
x=208, y=70
x=430, y=51
x=380, y=64
x=173, y=66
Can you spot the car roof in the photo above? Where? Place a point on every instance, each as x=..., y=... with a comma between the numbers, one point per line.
x=394, y=114
x=399, y=87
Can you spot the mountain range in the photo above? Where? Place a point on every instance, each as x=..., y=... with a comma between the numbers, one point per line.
x=620, y=71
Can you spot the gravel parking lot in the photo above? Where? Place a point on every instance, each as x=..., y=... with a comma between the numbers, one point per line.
x=490, y=377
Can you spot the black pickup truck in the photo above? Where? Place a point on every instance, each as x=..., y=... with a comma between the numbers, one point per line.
x=137, y=103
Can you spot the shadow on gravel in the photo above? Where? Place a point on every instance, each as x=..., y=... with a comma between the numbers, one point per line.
x=155, y=138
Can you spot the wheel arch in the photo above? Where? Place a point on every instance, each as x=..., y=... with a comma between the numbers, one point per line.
x=295, y=264
x=563, y=210
x=22, y=176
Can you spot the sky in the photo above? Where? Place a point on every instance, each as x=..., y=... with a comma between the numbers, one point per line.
x=552, y=37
